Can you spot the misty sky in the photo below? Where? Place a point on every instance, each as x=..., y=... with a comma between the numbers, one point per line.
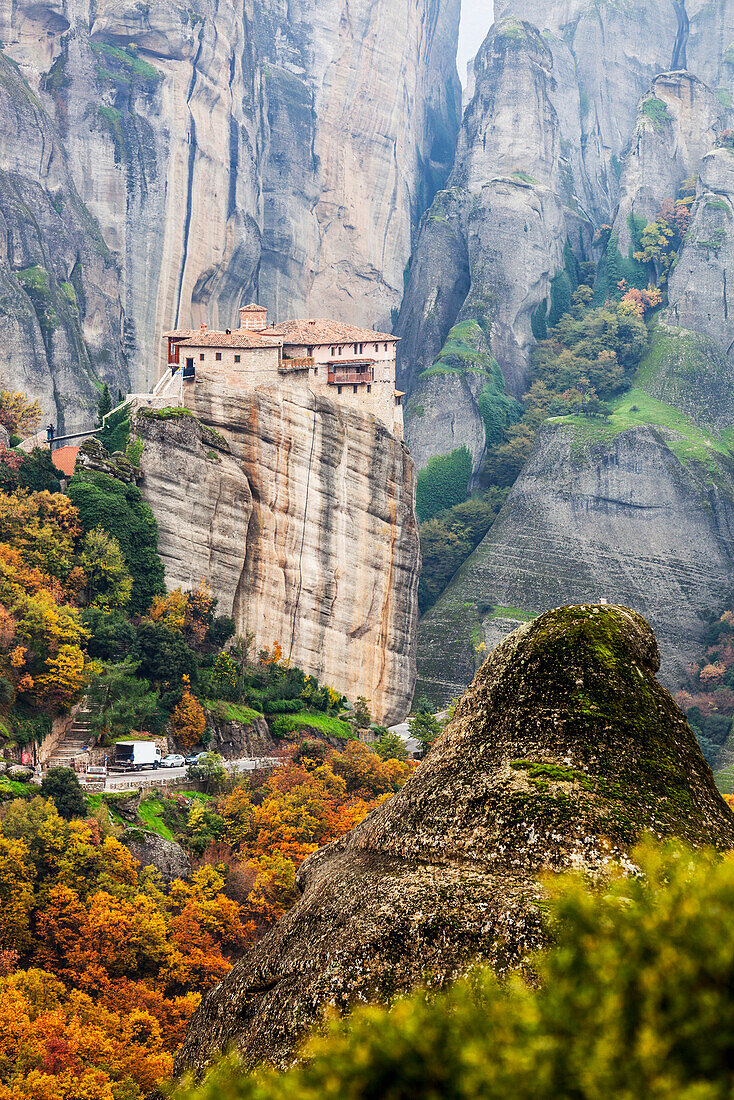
x=476, y=19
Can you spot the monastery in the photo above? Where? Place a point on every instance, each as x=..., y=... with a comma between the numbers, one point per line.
x=349, y=364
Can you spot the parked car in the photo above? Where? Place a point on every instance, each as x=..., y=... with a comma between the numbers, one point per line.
x=173, y=760
x=193, y=758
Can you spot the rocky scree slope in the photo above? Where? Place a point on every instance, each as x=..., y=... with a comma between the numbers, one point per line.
x=300, y=513
x=562, y=752
x=231, y=151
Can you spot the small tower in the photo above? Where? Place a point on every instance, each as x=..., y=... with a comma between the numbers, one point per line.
x=253, y=317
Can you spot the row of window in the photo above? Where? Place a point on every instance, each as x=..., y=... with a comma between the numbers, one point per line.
x=355, y=389
x=337, y=349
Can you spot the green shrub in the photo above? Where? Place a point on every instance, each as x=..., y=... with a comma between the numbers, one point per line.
x=282, y=706
x=538, y=320
x=444, y=482
x=62, y=785
x=656, y=110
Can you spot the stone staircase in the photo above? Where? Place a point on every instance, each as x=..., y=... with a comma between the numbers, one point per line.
x=76, y=740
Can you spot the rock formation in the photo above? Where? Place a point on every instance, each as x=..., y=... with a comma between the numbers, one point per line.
x=677, y=124
x=579, y=117
x=234, y=740
x=563, y=751
x=699, y=296
x=201, y=499
x=595, y=122
x=152, y=850
x=303, y=524
x=625, y=519
x=230, y=151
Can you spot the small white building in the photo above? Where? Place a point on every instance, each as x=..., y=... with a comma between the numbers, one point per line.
x=348, y=364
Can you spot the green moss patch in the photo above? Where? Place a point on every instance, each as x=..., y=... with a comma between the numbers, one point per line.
x=656, y=111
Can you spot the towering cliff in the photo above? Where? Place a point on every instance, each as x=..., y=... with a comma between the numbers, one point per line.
x=564, y=750
x=60, y=316
x=570, y=127
x=236, y=150
x=302, y=520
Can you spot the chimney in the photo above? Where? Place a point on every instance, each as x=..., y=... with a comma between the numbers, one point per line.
x=204, y=326
x=253, y=318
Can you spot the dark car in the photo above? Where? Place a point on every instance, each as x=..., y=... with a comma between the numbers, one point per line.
x=193, y=758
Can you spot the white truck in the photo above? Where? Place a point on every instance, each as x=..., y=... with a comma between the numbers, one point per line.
x=134, y=755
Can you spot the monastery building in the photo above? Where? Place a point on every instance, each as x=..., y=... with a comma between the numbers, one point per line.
x=348, y=364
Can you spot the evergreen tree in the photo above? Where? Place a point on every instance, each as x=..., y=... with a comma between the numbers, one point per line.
x=104, y=404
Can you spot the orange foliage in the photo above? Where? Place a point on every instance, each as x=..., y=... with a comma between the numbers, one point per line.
x=188, y=720
x=187, y=613
x=101, y=966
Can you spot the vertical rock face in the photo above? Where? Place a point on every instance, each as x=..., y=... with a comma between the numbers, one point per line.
x=304, y=525
x=201, y=499
x=571, y=125
x=503, y=219
x=447, y=872
x=677, y=124
x=231, y=150
x=700, y=291
x=60, y=317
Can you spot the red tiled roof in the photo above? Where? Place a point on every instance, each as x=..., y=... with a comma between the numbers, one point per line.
x=64, y=459
x=253, y=307
x=240, y=338
x=323, y=331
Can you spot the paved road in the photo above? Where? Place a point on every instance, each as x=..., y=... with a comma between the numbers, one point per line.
x=153, y=776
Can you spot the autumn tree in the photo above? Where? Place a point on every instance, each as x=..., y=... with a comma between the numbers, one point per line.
x=19, y=414
x=188, y=720
x=108, y=583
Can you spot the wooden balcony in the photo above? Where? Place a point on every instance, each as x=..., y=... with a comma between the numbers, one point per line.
x=303, y=363
x=346, y=376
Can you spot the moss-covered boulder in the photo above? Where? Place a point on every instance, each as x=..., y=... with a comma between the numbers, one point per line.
x=563, y=751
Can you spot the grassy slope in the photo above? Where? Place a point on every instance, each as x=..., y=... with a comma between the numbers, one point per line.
x=635, y=408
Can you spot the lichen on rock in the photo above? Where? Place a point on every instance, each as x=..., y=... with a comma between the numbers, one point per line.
x=563, y=751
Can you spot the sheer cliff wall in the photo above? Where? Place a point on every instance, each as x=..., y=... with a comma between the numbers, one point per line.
x=300, y=512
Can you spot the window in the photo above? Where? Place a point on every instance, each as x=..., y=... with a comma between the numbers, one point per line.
x=236, y=358
x=369, y=389
x=315, y=370
x=398, y=400
x=217, y=355
x=333, y=352
x=355, y=349
x=385, y=347
x=340, y=349
x=338, y=389
x=354, y=388
x=309, y=352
